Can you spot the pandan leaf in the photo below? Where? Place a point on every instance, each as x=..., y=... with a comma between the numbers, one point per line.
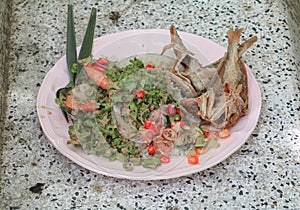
x=71, y=53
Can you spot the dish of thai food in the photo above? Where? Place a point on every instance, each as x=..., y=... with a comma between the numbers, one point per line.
x=149, y=104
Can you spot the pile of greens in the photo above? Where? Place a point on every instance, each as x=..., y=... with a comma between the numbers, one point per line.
x=107, y=114
x=97, y=131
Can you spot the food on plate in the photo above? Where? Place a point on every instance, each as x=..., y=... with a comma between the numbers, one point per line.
x=146, y=114
x=221, y=88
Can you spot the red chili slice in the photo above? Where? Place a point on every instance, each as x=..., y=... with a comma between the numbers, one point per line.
x=140, y=94
x=149, y=66
x=193, y=159
x=165, y=159
x=169, y=134
x=148, y=124
x=151, y=149
x=206, y=133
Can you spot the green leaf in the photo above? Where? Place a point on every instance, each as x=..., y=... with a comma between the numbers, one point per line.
x=71, y=53
x=87, y=44
x=200, y=142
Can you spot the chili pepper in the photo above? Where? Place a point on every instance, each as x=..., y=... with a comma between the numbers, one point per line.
x=149, y=66
x=151, y=149
x=206, y=134
x=165, y=159
x=193, y=159
x=148, y=124
x=169, y=134
x=140, y=94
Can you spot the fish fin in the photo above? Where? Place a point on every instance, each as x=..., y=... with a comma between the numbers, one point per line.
x=247, y=44
x=173, y=30
x=251, y=41
x=234, y=35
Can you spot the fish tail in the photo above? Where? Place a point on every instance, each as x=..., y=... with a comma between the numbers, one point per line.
x=234, y=35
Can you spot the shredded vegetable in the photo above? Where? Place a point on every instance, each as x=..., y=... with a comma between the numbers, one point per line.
x=137, y=123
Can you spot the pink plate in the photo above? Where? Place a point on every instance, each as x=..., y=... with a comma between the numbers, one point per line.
x=117, y=47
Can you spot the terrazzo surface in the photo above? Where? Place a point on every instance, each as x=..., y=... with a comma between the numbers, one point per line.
x=263, y=174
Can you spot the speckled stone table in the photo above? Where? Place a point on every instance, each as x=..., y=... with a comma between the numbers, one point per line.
x=263, y=174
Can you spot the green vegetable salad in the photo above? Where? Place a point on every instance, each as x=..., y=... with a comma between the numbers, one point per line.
x=131, y=114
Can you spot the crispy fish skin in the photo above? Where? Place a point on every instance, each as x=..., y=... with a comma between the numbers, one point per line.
x=232, y=73
x=220, y=88
x=235, y=78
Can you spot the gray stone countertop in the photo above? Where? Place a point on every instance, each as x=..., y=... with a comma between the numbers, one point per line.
x=263, y=174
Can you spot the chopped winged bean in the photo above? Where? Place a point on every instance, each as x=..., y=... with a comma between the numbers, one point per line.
x=98, y=131
x=128, y=166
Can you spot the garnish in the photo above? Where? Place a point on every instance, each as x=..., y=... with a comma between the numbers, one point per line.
x=71, y=56
x=140, y=94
